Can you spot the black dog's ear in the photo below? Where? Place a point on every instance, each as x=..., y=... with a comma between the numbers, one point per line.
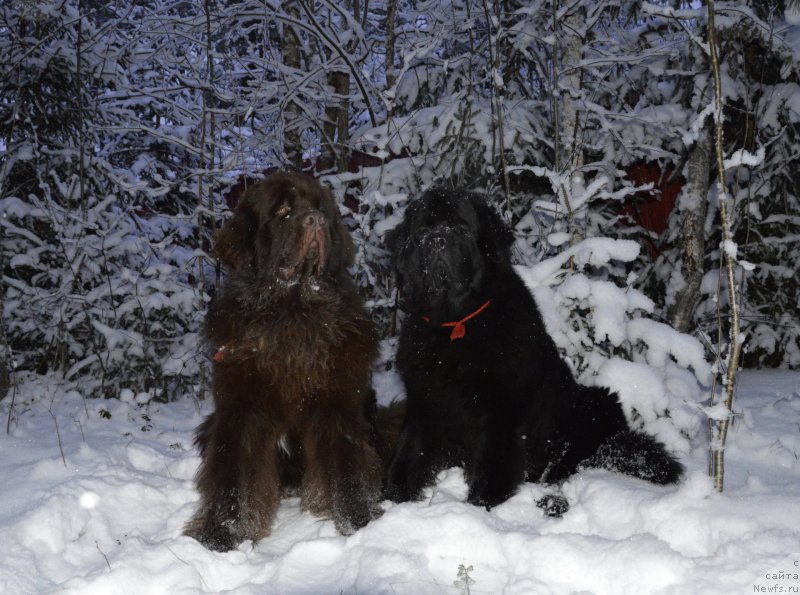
x=393, y=240
x=495, y=236
x=398, y=239
x=234, y=244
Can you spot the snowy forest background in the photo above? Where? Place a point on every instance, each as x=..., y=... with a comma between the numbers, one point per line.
x=126, y=128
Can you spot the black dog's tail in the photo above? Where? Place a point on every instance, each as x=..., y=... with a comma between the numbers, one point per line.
x=638, y=455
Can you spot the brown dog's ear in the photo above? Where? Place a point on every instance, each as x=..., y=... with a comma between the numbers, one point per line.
x=343, y=250
x=234, y=244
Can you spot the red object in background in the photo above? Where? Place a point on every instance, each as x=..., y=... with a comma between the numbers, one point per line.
x=358, y=160
x=651, y=208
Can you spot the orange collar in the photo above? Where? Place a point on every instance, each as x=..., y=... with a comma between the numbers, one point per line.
x=219, y=356
x=459, y=330
x=230, y=349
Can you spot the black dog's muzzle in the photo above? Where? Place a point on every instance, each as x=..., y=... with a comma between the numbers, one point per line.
x=436, y=239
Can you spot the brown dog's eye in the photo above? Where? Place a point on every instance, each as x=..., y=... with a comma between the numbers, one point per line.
x=283, y=212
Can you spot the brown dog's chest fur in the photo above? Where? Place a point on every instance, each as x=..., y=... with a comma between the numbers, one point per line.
x=295, y=346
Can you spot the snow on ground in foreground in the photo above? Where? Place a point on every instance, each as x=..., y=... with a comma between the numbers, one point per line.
x=110, y=520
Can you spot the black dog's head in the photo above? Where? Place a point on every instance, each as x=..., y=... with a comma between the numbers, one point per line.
x=288, y=228
x=446, y=251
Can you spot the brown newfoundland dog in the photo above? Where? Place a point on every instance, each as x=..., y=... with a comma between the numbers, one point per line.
x=293, y=347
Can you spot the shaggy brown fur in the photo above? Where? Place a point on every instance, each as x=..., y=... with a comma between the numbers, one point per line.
x=293, y=405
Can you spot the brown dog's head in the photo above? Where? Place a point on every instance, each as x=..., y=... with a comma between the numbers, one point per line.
x=288, y=228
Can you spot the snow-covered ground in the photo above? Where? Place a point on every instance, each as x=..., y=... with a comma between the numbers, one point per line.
x=106, y=517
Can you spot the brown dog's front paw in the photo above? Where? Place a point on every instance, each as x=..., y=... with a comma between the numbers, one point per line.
x=214, y=536
x=353, y=518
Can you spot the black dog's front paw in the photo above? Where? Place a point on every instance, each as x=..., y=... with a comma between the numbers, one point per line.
x=489, y=491
x=406, y=480
x=553, y=505
x=399, y=491
x=488, y=501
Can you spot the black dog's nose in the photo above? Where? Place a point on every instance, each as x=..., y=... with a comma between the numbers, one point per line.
x=314, y=219
x=436, y=240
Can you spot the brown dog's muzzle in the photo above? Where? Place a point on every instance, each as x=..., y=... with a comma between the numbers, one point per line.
x=314, y=219
x=315, y=242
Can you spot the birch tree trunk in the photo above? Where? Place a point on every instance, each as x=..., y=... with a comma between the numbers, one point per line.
x=692, y=208
x=568, y=81
x=571, y=80
x=727, y=255
x=391, y=39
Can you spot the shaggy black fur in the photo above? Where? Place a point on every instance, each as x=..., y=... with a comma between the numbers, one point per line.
x=499, y=400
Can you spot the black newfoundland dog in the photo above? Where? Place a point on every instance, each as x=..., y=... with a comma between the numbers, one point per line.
x=486, y=388
x=293, y=348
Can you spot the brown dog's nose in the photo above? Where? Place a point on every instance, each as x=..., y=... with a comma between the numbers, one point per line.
x=314, y=219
